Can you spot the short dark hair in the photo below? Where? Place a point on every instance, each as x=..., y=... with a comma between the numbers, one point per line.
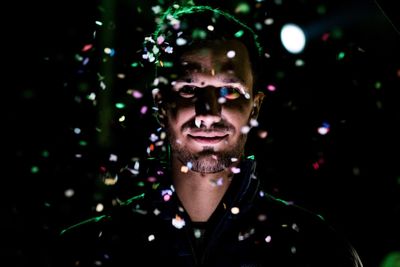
x=182, y=27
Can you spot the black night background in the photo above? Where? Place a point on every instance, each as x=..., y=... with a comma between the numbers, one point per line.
x=77, y=109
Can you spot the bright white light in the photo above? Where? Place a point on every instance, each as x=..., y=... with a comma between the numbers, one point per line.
x=293, y=38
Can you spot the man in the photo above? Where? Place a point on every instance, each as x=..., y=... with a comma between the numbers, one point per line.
x=206, y=207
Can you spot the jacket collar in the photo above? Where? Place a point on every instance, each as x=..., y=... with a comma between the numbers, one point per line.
x=240, y=194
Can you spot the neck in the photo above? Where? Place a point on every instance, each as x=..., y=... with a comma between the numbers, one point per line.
x=199, y=193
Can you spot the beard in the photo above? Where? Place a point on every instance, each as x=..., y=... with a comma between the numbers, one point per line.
x=208, y=160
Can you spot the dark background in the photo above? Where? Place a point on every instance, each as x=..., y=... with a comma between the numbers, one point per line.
x=351, y=175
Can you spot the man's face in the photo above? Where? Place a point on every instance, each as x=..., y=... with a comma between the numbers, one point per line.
x=210, y=105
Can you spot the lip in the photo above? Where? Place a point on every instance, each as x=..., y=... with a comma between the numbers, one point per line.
x=208, y=139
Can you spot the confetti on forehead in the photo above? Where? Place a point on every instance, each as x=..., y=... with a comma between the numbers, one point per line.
x=184, y=26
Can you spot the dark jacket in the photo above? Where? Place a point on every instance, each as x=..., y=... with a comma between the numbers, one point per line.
x=249, y=228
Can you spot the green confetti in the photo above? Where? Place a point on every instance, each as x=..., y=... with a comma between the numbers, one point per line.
x=120, y=105
x=45, y=153
x=378, y=85
x=168, y=64
x=243, y=8
x=341, y=55
x=321, y=9
x=239, y=34
x=34, y=169
x=135, y=64
x=82, y=143
x=251, y=157
x=199, y=34
x=337, y=33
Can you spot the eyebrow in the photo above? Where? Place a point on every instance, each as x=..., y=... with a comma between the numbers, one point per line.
x=233, y=80
x=221, y=78
x=192, y=65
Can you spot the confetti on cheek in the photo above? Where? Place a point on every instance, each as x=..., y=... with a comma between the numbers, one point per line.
x=184, y=169
x=217, y=182
x=231, y=54
x=245, y=129
x=253, y=123
x=189, y=165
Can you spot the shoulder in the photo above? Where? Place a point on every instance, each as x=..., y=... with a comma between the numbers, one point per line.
x=89, y=241
x=307, y=233
x=280, y=210
x=94, y=224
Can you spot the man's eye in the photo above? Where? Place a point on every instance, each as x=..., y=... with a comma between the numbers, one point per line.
x=187, y=91
x=229, y=93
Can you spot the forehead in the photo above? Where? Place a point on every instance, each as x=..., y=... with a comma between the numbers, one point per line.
x=219, y=57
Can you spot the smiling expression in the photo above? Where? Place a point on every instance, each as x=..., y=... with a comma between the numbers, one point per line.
x=210, y=105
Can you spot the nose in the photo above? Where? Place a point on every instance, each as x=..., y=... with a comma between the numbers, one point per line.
x=207, y=107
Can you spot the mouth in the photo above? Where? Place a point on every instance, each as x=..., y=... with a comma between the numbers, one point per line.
x=208, y=139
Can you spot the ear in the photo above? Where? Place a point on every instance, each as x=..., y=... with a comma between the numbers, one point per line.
x=160, y=106
x=258, y=99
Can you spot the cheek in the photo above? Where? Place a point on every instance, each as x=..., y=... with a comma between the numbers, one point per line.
x=237, y=113
x=180, y=115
